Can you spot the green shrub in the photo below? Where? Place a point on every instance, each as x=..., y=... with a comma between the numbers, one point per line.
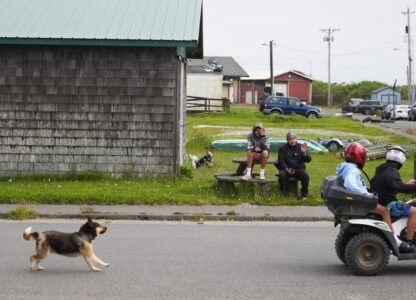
x=186, y=171
x=22, y=213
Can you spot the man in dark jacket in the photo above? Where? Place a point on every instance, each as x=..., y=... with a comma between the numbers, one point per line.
x=387, y=183
x=291, y=163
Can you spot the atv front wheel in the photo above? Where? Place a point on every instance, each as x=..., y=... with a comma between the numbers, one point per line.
x=367, y=254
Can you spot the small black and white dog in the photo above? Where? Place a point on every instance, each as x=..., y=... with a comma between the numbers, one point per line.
x=206, y=160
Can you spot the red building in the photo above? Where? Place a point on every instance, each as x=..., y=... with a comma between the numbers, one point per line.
x=291, y=84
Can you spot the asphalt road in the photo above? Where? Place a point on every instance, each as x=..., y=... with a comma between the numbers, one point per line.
x=398, y=124
x=190, y=261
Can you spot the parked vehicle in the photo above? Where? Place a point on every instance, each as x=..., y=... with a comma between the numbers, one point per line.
x=289, y=105
x=334, y=144
x=354, y=102
x=400, y=112
x=264, y=100
x=368, y=107
x=411, y=114
x=386, y=113
x=351, y=105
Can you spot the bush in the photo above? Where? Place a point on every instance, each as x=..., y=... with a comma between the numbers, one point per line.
x=22, y=213
x=186, y=171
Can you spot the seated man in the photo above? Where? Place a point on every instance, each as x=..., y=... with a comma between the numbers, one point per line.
x=291, y=163
x=257, y=149
x=387, y=183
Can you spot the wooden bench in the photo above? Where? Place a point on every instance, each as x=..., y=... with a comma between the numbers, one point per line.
x=226, y=181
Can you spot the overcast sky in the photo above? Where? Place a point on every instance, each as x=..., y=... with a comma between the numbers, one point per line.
x=369, y=30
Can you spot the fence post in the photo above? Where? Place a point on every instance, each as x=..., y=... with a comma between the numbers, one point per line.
x=414, y=165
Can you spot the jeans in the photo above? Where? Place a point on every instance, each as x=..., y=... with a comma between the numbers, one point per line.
x=300, y=175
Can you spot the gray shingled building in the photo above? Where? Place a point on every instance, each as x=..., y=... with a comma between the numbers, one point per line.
x=95, y=85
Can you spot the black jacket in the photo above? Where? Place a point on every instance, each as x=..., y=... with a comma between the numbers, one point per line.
x=292, y=157
x=387, y=182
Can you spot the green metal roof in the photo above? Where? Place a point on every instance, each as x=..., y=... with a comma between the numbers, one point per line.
x=164, y=23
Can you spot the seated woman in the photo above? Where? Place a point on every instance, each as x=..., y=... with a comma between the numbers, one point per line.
x=258, y=146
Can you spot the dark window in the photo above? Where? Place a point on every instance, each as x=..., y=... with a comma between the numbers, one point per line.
x=294, y=102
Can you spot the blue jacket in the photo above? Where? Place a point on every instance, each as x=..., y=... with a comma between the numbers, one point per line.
x=353, y=180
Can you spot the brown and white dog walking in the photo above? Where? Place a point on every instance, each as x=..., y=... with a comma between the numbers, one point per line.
x=68, y=244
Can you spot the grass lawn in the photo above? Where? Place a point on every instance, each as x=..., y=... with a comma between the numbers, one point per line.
x=199, y=186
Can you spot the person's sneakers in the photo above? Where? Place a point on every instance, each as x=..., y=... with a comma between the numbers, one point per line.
x=246, y=177
x=304, y=197
x=262, y=177
x=406, y=247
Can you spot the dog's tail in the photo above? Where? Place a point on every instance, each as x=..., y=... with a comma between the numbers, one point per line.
x=28, y=234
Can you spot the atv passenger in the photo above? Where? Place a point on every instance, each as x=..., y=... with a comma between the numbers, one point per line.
x=387, y=183
x=355, y=154
x=257, y=149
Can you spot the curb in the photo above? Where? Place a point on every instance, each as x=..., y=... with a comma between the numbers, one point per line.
x=192, y=218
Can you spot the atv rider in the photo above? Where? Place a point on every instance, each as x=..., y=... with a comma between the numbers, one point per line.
x=258, y=146
x=355, y=155
x=387, y=183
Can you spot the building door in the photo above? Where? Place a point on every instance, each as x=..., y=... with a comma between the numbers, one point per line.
x=249, y=97
x=231, y=94
x=281, y=88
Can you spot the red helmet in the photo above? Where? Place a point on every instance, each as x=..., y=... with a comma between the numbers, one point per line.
x=356, y=153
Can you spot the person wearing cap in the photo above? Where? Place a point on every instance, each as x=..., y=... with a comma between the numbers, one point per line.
x=291, y=162
x=387, y=183
x=355, y=155
x=258, y=146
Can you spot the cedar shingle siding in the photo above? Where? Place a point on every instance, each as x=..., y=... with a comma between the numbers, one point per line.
x=105, y=109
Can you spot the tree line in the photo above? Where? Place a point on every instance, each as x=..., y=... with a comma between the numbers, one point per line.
x=343, y=92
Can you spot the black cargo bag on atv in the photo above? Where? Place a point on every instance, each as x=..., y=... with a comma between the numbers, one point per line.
x=345, y=203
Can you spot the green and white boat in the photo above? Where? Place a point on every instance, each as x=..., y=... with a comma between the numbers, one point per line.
x=275, y=144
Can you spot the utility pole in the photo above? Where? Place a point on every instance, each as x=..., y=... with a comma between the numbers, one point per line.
x=329, y=39
x=271, y=44
x=271, y=67
x=409, y=68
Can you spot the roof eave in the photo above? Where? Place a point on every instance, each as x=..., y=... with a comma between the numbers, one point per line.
x=97, y=42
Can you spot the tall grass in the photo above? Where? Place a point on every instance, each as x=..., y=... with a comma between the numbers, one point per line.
x=198, y=186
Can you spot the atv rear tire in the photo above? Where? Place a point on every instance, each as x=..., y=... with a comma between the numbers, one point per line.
x=341, y=242
x=367, y=254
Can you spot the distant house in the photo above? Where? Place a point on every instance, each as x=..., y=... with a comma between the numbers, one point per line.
x=203, y=82
x=231, y=73
x=385, y=95
x=292, y=83
x=97, y=85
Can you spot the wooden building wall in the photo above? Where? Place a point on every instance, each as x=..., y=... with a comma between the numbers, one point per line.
x=104, y=109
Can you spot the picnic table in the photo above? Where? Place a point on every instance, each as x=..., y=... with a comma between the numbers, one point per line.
x=227, y=180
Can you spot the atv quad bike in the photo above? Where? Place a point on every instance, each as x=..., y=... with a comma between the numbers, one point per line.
x=364, y=242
